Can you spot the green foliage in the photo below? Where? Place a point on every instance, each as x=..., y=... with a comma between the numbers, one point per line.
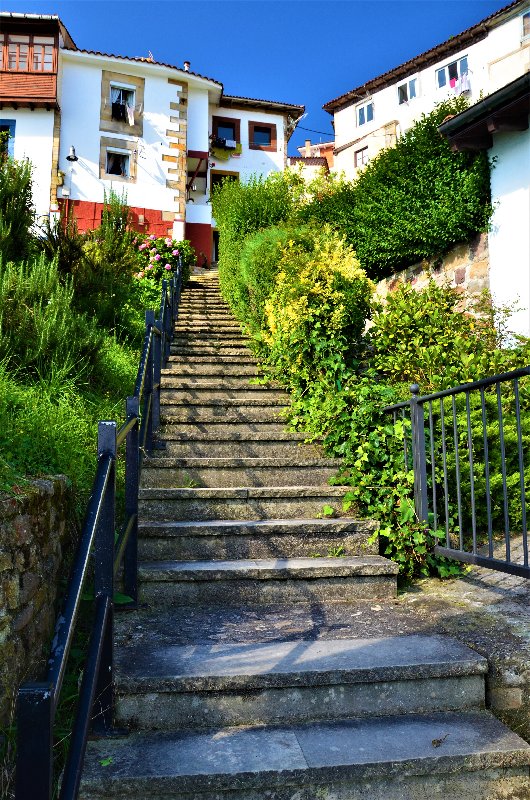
x=16, y=209
x=241, y=209
x=412, y=201
x=159, y=257
x=37, y=326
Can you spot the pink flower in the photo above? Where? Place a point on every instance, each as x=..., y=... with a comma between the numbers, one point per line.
x=149, y=266
x=152, y=236
x=157, y=257
x=142, y=246
x=168, y=266
x=175, y=253
x=168, y=242
x=153, y=251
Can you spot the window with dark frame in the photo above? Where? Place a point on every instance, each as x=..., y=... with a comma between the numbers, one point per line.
x=526, y=25
x=450, y=74
x=361, y=157
x=262, y=136
x=218, y=178
x=226, y=129
x=7, y=138
x=122, y=104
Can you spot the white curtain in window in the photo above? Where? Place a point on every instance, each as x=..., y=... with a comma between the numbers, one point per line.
x=115, y=95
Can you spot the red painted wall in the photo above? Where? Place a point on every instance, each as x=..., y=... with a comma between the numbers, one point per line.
x=200, y=235
x=88, y=217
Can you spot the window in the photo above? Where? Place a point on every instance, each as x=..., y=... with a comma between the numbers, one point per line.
x=526, y=25
x=218, y=178
x=7, y=138
x=122, y=104
x=18, y=53
x=118, y=163
x=361, y=157
x=226, y=128
x=262, y=136
x=43, y=53
x=407, y=91
x=365, y=113
x=451, y=74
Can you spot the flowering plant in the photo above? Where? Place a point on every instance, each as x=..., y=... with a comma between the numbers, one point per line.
x=158, y=257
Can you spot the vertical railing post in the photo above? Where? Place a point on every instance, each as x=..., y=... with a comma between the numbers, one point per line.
x=168, y=319
x=148, y=384
x=35, y=709
x=132, y=484
x=419, y=459
x=104, y=578
x=157, y=374
x=172, y=305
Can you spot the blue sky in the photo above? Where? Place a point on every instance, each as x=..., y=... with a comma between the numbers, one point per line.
x=299, y=51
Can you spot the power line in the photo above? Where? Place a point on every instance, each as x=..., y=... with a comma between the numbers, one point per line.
x=311, y=130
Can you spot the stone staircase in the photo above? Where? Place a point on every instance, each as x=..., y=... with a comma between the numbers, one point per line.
x=256, y=666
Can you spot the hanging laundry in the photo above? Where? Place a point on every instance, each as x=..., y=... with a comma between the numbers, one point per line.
x=130, y=115
x=453, y=82
x=231, y=144
x=465, y=85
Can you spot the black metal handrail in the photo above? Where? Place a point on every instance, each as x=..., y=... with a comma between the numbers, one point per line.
x=438, y=438
x=38, y=701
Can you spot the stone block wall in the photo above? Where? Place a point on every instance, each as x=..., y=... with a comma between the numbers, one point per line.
x=465, y=267
x=36, y=536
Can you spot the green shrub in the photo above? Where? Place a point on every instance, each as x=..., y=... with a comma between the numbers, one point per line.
x=16, y=209
x=37, y=325
x=412, y=201
x=158, y=257
x=317, y=310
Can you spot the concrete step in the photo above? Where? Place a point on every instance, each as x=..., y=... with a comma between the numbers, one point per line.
x=225, y=472
x=207, y=414
x=213, y=391
x=203, y=327
x=271, y=447
x=195, y=380
x=264, y=581
x=210, y=343
x=205, y=317
x=213, y=369
x=305, y=502
x=167, y=687
x=197, y=351
x=405, y=757
x=276, y=538
x=217, y=429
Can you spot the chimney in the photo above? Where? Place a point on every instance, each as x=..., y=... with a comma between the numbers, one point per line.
x=187, y=65
x=307, y=148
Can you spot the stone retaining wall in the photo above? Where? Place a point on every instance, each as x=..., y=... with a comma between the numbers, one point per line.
x=465, y=267
x=35, y=536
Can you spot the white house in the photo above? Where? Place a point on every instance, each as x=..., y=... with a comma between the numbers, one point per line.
x=475, y=63
x=500, y=124
x=164, y=135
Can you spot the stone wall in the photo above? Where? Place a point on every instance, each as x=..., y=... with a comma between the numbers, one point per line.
x=465, y=267
x=35, y=537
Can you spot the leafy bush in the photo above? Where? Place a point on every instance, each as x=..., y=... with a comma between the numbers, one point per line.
x=158, y=257
x=412, y=201
x=317, y=310
x=16, y=209
x=241, y=209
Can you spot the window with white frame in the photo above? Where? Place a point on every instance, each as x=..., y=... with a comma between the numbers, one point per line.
x=361, y=157
x=365, y=113
x=407, y=91
x=453, y=74
x=118, y=163
x=122, y=103
x=526, y=25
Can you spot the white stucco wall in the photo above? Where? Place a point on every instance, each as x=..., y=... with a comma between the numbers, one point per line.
x=34, y=141
x=198, y=119
x=493, y=62
x=80, y=103
x=509, y=237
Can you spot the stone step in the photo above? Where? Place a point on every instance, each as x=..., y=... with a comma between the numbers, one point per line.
x=265, y=581
x=405, y=757
x=234, y=448
x=195, y=352
x=163, y=686
x=276, y=538
x=205, y=317
x=231, y=394
x=210, y=343
x=210, y=369
x=195, y=380
x=305, y=502
x=217, y=429
x=207, y=414
x=205, y=327
x=163, y=471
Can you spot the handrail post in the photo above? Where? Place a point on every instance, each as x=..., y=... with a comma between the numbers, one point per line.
x=419, y=460
x=35, y=712
x=104, y=578
x=168, y=318
x=132, y=483
x=157, y=375
x=148, y=385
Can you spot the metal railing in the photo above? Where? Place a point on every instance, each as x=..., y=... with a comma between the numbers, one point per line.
x=466, y=446
x=101, y=554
